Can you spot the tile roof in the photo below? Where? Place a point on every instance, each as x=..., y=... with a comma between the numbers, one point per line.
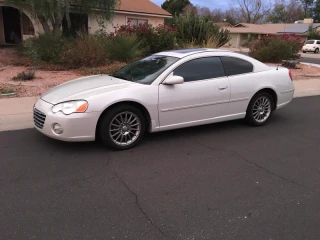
x=259, y=28
x=271, y=28
x=299, y=28
x=141, y=6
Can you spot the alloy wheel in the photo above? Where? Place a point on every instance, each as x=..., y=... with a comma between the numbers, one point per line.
x=261, y=109
x=125, y=128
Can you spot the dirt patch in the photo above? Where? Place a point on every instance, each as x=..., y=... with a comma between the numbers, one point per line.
x=11, y=64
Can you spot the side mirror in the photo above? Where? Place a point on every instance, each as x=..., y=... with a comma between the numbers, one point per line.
x=173, y=80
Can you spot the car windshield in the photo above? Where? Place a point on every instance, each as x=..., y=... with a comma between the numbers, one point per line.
x=146, y=70
x=310, y=42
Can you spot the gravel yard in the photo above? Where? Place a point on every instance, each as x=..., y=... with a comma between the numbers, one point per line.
x=11, y=65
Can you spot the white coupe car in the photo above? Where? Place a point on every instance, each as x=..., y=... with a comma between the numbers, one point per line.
x=167, y=90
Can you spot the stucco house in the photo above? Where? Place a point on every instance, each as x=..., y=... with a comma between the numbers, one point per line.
x=16, y=26
x=240, y=32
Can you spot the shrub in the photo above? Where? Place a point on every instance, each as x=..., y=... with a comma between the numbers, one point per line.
x=25, y=76
x=124, y=47
x=46, y=47
x=275, y=48
x=152, y=39
x=84, y=51
x=193, y=28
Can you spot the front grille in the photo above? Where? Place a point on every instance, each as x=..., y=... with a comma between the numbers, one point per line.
x=39, y=118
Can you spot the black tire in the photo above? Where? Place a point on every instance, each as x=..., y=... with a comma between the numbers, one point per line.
x=250, y=115
x=108, y=118
x=317, y=50
x=304, y=51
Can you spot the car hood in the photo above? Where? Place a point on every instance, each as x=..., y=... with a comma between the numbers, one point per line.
x=82, y=88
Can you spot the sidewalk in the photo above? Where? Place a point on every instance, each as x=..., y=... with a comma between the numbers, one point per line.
x=16, y=113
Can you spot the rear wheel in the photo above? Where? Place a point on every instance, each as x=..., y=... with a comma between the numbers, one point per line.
x=317, y=50
x=260, y=109
x=122, y=127
x=304, y=51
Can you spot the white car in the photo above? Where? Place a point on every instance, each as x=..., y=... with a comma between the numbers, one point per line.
x=167, y=90
x=311, y=46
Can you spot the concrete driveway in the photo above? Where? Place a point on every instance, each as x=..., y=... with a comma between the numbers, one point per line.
x=222, y=181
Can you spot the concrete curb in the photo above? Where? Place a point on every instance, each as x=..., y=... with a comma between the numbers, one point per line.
x=311, y=64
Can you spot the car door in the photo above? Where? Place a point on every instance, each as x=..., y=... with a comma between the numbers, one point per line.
x=243, y=82
x=204, y=95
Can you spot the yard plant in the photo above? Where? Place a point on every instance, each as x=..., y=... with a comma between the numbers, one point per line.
x=275, y=48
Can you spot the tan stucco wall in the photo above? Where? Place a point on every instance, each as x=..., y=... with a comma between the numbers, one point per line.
x=234, y=39
x=2, y=40
x=120, y=19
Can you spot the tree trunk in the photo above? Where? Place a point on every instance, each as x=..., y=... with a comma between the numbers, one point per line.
x=57, y=29
x=44, y=24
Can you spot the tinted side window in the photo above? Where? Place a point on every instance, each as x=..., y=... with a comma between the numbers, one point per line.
x=318, y=42
x=235, y=66
x=200, y=69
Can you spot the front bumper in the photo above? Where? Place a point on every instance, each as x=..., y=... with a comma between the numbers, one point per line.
x=77, y=127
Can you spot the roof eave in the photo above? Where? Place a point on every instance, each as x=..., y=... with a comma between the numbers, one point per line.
x=143, y=13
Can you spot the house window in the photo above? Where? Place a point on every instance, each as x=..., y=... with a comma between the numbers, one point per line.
x=137, y=21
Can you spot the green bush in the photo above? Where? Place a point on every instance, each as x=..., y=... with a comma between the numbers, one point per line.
x=124, y=47
x=152, y=39
x=193, y=28
x=84, y=51
x=45, y=47
x=274, y=49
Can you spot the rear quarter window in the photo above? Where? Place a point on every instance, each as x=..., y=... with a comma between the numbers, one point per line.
x=236, y=66
x=310, y=42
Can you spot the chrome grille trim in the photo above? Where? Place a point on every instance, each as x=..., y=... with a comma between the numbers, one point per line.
x=39, y=118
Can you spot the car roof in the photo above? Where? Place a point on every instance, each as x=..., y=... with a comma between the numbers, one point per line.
x=181, y=53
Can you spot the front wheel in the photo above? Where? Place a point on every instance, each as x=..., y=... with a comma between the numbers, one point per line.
x=260, y=109
x=122, y=127
x=317, y=50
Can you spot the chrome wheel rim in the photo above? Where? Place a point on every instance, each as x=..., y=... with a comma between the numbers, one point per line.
x=261, y=109
x=125, y=128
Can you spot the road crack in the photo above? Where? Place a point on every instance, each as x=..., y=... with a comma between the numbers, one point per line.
x=259, y=166
x=139, y=206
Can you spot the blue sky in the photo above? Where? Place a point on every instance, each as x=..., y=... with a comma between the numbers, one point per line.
x=212, y=4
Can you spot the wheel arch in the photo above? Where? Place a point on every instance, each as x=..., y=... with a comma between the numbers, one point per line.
x=269, y=90
x=138, y=105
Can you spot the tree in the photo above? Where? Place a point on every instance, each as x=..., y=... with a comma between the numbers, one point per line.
x=284, y=12
x=307, y=7
x=230, y=20
x=52, y=12
x=316, y=11
x=253, y=11
x=294, y=11
x=278, y=14
x=175, y=6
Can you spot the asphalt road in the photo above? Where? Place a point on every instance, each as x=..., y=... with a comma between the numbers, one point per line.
x=221, y=181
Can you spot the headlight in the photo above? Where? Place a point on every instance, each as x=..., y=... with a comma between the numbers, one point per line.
x=71, y=107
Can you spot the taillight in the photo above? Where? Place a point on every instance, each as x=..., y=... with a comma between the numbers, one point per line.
x=290, y=74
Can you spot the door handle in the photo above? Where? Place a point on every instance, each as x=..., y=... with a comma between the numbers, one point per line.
x=223, y=87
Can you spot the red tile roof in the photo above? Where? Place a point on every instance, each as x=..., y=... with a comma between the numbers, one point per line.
x=141, y=6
